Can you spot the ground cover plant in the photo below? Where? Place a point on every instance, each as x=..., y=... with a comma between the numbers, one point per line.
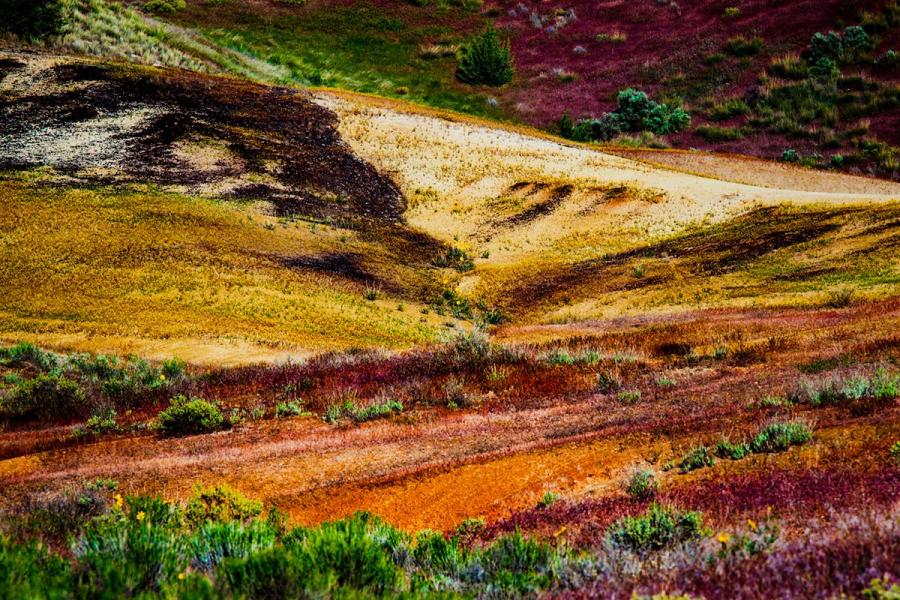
x=221, y=545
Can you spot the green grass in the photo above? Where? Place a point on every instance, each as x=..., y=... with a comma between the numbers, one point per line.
x=359, y=47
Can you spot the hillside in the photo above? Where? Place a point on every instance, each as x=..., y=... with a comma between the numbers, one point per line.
x=745, y=77
x=259, y=341
x=421, y=213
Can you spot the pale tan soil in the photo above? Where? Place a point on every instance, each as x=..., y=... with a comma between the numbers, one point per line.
x=755, y=171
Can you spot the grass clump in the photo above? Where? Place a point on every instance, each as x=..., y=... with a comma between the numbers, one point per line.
x=187, y=416
x=629, y=396
x=730, y=450
x=696, y=458
x=882, y=386
x=485, y=60
x=744, y=46
x=291, y=408
x=735, y=107
x=360, y=413
x=779, y=436
x=713, y=133
x=660, y=527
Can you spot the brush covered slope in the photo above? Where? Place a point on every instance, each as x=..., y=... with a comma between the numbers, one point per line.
x=679, y=385
x=819, y=79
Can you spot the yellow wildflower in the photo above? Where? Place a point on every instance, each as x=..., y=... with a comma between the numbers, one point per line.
x=752, y=524
x=140, y=516
x=724, y=537
x=118, y=500
x=560, y=532
x=182, y=576
x=162, y=376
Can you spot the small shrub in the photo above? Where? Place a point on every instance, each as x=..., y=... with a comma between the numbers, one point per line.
x=856, y=42
x=895, y=451
x=101, y=423
x=825, y=45
x=696, y=458
x=790, y=155
x=25, y=353
x=642, y=484
x=485, y=60
x=779, y=436
x=658, y=528
x=731, y=12
x=220, y=504
x=186, y=416
x=46, y=397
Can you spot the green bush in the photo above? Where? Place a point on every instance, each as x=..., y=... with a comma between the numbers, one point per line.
x=164, y=6
x=189, y=416
x=31, y=571
x=825, y=45
x=220, y=504
x=485, y=60
x=31, y=19
x=635, y=113
x=779, y=436
x=696, y=458
x=895, y=451
x=101, y=423
x=658, y=528
x=790, y=155
x=642, y=485
x=214, y=542
x=46, y=397
x=857, y=42
x=122, y=557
